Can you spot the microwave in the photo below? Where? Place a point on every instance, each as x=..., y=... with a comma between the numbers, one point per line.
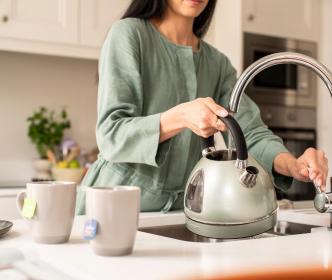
x=281, y=85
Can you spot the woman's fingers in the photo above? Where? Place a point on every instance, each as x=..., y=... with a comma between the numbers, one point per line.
x=323, y=162
x=316, y=177
x=205, y=133
x=303, y=172
x=218, y=111
x=202, y=116
x=220, y=125
x=317, y=166
x=215, y=108
x=209, y=118
x=313, y=166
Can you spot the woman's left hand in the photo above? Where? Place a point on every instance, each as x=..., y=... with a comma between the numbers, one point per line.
x=311, y=166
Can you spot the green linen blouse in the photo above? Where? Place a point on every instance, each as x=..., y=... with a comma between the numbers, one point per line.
x=141, y=74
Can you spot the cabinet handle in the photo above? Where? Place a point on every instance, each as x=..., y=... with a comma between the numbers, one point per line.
x=5, y=19
x=251, y=17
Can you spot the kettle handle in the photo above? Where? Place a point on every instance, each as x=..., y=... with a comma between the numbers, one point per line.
x=238, y=137
x=207, y=144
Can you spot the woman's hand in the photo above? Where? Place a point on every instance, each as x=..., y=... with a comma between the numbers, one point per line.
x=311, y=166
x=199, y=115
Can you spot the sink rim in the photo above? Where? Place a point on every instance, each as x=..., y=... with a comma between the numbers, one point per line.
x=180, y=232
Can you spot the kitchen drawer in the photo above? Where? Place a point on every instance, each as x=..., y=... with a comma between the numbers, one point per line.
x=8, y=210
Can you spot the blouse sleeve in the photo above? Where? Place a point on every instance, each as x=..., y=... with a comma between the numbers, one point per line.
x=262, y=144
x=123, y=133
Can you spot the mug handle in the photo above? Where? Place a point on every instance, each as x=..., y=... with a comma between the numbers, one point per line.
x=20, y=200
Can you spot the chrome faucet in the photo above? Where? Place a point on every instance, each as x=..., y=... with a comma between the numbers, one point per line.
x=276, y=59
x=322, y=201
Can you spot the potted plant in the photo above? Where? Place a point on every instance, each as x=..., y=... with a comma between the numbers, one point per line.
x=46, y=129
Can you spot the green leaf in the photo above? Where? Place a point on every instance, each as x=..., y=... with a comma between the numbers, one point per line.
x=46, y=130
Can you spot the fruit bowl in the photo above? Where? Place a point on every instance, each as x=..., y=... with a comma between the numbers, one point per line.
x=67, y=174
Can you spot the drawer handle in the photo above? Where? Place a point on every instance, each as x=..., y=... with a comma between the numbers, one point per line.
x=250, y=17
x=5, y=19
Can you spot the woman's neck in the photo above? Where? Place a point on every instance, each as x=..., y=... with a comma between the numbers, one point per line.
x=177, y=29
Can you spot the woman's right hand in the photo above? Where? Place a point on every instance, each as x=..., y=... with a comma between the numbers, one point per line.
x=201, y=116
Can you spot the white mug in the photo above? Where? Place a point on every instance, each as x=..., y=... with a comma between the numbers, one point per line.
x=115, y=210
x=54, y=214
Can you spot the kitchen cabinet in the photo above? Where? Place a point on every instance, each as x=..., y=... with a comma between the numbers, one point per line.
x=8, y=209
x=74, y=28
x=96, y=19
x=298, y=19
x=42, y=20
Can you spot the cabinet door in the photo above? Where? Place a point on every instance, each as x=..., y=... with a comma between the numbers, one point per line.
x=296, y=18
x=8, y=207
x=43, y=20
x=97, y=17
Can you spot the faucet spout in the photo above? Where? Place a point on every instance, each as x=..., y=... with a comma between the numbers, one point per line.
x=276, y=59
x=322, y=201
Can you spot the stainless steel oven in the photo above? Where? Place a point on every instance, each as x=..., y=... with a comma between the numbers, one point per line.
x=288, y=85
x=286, y=96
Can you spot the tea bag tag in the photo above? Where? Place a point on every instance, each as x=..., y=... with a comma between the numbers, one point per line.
x=29, y=208
x=90, y=229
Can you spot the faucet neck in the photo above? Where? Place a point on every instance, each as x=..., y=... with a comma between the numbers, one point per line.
x=276, y=59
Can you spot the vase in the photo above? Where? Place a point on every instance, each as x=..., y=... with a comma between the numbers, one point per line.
x=42, y=168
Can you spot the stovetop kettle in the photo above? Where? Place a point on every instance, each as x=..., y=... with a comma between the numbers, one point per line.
x=228, y=194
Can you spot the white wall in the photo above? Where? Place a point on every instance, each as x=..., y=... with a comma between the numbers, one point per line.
x=324, y=99
x=225, y=32
x=29, y=81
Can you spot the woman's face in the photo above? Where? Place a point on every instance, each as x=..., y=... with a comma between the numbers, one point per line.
x=187, y=8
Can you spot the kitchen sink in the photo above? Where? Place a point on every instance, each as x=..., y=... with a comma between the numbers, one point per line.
x=180, y=232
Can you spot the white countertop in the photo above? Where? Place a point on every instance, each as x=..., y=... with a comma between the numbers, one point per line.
x=157, y=257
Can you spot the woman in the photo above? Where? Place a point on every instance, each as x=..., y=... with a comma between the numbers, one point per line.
x=160, y=87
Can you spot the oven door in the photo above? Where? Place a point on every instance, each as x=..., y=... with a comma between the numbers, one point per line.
x=286, y=84
x=297, y=141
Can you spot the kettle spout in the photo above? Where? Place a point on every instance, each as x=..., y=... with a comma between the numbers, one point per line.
x=249, y=176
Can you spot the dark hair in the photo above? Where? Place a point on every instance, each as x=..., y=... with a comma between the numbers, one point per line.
x=146, y=9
